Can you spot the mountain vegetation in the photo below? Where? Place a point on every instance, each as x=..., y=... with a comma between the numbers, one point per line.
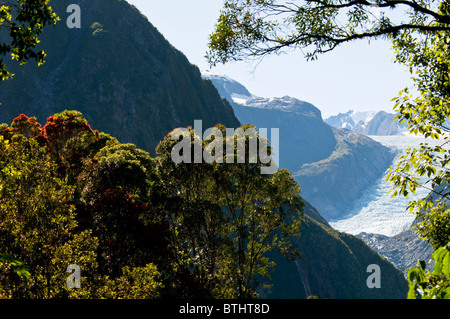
x=97, y=188
x=137, y=226
x=332, y=265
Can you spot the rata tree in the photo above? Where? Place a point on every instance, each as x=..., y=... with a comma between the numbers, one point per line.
x=115, y=204
x=116, y=201
x=71, y=142
x=24, y=125
x=51, y=219
x=123, y=167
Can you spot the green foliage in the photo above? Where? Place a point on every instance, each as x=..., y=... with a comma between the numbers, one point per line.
x=37, y=219
x=41, y=217
x=138, y=227
x=17, y=266
x=135, y=283
x=24, y=21
x=427, y=55
x=228, y=215
x=427, y=115
x=255, y=28
x=431, y=285
x=123, y=167
x=13, y=274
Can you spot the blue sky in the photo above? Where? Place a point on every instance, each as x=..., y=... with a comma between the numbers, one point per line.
x=354, y=76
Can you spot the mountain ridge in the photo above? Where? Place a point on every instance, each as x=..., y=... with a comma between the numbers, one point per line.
x=120, y=72
x=332, y=264
x=368, y=122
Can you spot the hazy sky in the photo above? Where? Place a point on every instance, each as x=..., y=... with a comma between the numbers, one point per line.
x=354, y=76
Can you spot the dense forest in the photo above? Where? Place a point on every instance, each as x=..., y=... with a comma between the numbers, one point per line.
x=136, y=226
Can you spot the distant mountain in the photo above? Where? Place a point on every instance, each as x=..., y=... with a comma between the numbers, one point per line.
x=119, y=71
x=296, y=120
x=334, y=183
x=332, y=165
x=367, y=123
x=351, y=119
x=229, y=89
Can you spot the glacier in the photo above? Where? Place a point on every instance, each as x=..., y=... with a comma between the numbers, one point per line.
x=376, y=211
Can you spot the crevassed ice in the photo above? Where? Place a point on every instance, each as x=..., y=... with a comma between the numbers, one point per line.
x=376, y=212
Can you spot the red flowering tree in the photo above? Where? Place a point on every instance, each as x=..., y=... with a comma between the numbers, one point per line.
x=68, y=138
x=24, y=125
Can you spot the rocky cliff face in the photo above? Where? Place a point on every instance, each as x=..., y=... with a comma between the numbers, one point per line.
x=120, y=72
x=128, y=81
x=333, y=166
x=304, y=137
x=403, y=250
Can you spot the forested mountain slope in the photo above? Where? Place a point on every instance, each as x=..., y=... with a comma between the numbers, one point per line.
x=119, y=71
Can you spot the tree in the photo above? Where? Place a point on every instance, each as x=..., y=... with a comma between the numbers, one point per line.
x=431, y=285
x=228, y=215
x=23, y=21
x=427, y=114
x=123, y=167
x=256, y=28
x=13, y=274
x=135, y=283
x=69, y=140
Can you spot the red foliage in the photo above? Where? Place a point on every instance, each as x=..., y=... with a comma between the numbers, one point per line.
x=7, y=133
x=61, y=127
x=27, y=126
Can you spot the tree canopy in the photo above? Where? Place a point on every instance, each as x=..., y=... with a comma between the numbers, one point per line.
x=256, y=28
x=137, y=226
x=229, y=214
